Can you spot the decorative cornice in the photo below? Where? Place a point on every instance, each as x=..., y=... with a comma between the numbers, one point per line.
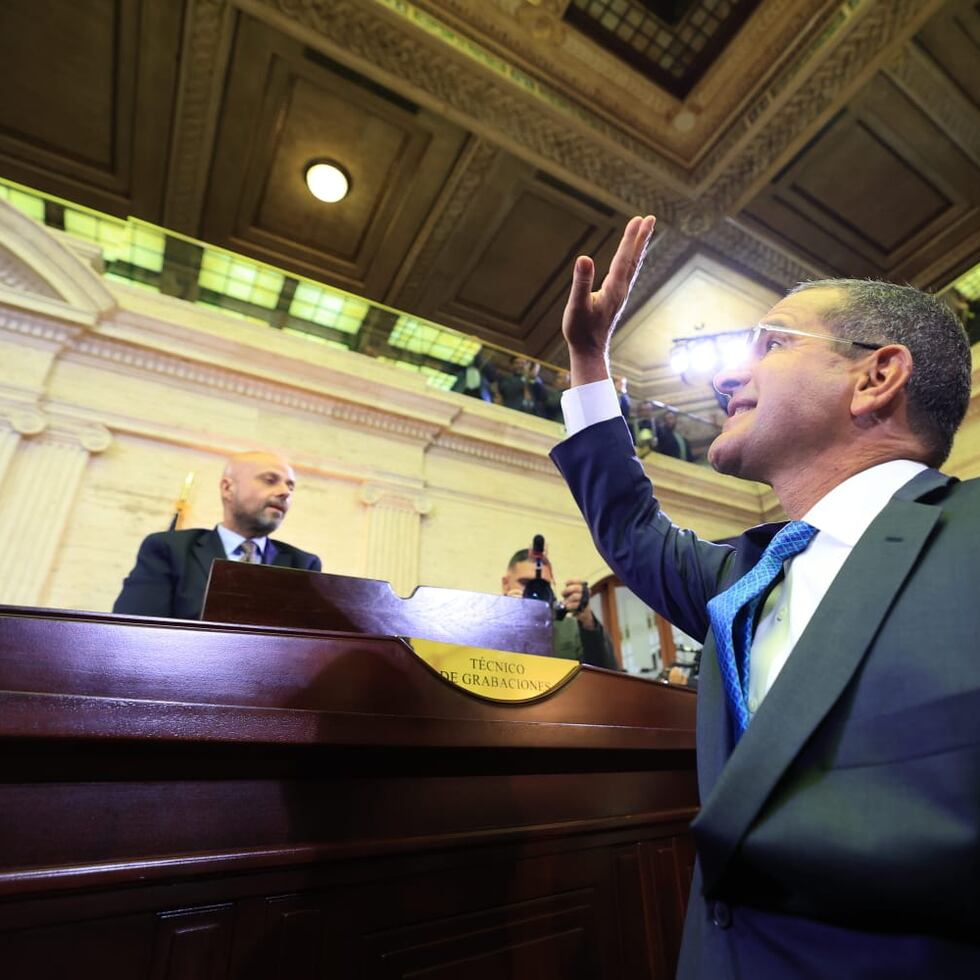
x=36, y=327
x=494, y=453
x=213, y=379
x=206, y=47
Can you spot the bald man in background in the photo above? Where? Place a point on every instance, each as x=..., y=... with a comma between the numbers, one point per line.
x=172, y=567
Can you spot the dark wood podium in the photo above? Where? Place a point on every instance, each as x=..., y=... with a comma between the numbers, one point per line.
x=197, y=801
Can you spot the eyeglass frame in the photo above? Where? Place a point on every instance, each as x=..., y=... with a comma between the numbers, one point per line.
x=759, y=328
x=755, y=332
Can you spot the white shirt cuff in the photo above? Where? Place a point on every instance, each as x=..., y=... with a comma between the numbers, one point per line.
x=585, y=405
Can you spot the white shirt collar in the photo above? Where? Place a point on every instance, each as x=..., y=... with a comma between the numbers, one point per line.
x=847, y=511
x=232, y=539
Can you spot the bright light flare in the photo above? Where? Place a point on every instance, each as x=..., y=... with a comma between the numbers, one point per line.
x=733, y=351
x=680, y=361
x=704, y=357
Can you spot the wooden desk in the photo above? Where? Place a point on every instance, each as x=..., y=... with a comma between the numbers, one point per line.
x=184, y=800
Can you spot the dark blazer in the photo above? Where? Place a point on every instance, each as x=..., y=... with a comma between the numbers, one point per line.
x=841, y=837
x=172, y=568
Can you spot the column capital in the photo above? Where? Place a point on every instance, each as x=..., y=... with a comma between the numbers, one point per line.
x=406, y=499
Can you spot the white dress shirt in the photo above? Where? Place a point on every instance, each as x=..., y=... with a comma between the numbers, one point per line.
x=840, y=517
x=232, y=541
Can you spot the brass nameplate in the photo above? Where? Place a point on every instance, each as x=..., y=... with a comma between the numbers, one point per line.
x=495, y=675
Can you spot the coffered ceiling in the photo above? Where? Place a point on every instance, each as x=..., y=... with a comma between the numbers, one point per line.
x=490, y=141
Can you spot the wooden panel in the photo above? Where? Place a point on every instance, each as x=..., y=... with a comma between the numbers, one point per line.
x=285, y=107
x=879, y=191
x=193, y=944
x=87, y=97
x=142, y=844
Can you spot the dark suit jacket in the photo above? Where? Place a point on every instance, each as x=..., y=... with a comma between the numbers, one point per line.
x=172, y=569
x=841, y=837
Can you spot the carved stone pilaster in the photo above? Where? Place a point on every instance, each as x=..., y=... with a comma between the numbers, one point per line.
x=36, y=499
x=394, y=526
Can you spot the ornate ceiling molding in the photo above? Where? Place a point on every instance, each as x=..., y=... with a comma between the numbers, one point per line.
x=518, y=112
x=207, y=44
x=876, y=27
x=946, y=105
x=734, y=244
x=498, y=100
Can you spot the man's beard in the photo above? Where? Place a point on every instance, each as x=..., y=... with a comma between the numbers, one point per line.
x=261, y=523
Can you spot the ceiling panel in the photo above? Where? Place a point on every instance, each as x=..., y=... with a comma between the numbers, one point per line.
x=504, y=272
x=85, y=89
x=285, y=108
x=879, y=183
x=489, y=142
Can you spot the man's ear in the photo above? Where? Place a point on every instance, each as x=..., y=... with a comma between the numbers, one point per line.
x=882, y=381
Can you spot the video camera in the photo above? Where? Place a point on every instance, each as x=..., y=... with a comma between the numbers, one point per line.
x=540, y=588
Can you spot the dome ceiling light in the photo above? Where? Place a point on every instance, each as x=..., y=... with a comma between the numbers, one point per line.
x=327, y=181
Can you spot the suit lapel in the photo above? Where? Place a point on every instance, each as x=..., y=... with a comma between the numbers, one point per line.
x=276, y=556
x=817, y=672
x=206, y=549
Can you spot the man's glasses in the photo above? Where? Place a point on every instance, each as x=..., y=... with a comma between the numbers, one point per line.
x=740, y=346
x=759, y=329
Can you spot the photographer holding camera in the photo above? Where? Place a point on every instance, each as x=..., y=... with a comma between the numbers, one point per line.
x=578, y=634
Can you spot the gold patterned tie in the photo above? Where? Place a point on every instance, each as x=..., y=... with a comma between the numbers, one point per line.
x=250, y=552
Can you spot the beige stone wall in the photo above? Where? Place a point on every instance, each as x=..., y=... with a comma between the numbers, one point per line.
x=109, y=396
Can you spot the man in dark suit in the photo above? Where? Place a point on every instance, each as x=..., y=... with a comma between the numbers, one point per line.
x=172, y=567
x=838, y=758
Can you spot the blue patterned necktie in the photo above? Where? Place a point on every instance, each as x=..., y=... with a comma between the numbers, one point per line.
x=733, y=611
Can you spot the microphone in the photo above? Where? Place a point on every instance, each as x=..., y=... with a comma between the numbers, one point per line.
x=538, y=587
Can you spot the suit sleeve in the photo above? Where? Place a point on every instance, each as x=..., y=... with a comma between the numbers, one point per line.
x=149, y=588
x=669, y=568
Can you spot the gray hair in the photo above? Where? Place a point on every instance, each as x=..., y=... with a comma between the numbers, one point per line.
x=884, y=313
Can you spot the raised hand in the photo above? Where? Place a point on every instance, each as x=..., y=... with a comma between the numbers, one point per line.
x=590, y=317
